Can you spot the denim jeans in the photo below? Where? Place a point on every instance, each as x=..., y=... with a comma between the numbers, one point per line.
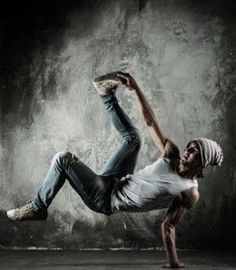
x=94, y=189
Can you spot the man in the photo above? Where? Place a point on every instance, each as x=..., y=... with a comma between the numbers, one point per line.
x=170, y=182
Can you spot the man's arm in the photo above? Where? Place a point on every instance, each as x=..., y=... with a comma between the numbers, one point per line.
x=181, y=203
x=166, y=146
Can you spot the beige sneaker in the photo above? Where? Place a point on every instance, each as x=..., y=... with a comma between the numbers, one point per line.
x=26, y=212
x=107, y=83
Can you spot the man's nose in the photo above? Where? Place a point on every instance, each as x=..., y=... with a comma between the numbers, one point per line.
x=187, y=152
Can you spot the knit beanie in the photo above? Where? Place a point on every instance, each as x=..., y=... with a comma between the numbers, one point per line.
x=211, y=153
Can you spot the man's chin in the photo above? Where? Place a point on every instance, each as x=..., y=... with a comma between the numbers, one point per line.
x=183, y=162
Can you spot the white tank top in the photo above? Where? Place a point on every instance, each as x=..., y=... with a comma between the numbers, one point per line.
x=153, y=187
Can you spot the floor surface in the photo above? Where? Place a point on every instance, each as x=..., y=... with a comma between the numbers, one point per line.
x=112, y=260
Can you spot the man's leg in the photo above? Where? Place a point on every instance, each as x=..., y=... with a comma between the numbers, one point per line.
x=122, y=162
x=65, y=165
x=86, y=183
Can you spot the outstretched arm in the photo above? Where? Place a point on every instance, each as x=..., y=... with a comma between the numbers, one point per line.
x=166, y=146
x=180, y=204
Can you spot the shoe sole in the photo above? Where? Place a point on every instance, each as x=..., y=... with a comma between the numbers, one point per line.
x=10, y=215
x=106, y=83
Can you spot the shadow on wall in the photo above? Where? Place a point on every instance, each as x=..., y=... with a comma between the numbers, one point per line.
x=178, y=51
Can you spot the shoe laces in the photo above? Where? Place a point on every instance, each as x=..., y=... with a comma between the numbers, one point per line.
x=26, y=209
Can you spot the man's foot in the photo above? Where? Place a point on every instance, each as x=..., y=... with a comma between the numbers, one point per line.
x=107, y=83
x=26, y=212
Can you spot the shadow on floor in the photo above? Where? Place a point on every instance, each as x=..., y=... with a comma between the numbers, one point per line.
x=112, y=260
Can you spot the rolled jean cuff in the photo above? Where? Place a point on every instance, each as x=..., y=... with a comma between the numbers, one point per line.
x=109, y=98
x=37, y=208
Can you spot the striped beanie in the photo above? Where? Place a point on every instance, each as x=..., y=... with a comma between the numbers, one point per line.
x=211, y=153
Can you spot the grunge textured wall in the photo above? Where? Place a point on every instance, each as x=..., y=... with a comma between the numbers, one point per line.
x=180, y=52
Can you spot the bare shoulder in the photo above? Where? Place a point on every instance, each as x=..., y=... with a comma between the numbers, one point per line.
x=190, y=197
x=171, y=150
x=172, y=153
x=193, y=192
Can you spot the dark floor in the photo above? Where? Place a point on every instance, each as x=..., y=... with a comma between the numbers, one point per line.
x=104, y=260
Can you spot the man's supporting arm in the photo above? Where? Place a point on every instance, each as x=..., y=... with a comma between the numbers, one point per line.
x=180, y=204
x=166, y=146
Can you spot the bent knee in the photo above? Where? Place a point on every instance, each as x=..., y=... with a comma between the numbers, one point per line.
x=62, y=155
x=65, y=156
x=135, y=140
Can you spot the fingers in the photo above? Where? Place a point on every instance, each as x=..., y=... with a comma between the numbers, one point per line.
x=168, y=266
x=124, y=79
x=121, y=75
x=127, y=80
x=126, y=75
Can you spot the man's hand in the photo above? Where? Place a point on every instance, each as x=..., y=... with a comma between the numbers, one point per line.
x=128, y=80
x=174, y=265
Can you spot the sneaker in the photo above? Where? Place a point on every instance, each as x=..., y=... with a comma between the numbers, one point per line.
x=107, y=83
x=26, y=212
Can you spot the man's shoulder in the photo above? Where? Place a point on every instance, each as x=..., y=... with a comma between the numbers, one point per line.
x=190, y=197
x=171, y=150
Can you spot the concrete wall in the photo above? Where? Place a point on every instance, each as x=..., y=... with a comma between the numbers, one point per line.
x=180, y=52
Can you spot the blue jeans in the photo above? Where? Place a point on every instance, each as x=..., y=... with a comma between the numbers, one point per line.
x=94, y=189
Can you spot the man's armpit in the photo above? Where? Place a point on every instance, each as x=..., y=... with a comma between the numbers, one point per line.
x=171, y=150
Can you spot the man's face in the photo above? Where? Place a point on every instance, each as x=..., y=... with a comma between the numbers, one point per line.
x=191, y=156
